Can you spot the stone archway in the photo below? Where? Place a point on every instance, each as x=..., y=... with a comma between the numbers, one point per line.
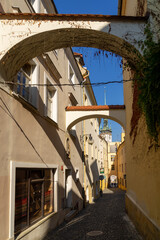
x=75, y=114
x=25, y=36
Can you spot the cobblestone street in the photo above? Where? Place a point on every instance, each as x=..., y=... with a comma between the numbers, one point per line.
x=106, y=219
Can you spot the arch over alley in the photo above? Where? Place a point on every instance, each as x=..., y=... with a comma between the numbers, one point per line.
x=75, y=114
x=25, y=36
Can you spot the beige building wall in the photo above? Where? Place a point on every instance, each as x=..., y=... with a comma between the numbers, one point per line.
x=92, y=151
x=31, y=139
x=143, y=165
x=103, y=147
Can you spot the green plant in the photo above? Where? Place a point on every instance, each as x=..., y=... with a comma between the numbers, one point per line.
x=148, y=80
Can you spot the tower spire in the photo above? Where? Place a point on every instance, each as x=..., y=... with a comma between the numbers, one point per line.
x=105, y=100
x=105, y=130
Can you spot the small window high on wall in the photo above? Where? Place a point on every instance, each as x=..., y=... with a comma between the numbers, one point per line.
x=34, y=197
x=51, y=100
x=71, y=74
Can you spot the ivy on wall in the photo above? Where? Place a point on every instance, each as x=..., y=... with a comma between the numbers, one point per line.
x=148, y=80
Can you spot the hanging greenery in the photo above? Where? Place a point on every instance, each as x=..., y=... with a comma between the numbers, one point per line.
x=148, y=80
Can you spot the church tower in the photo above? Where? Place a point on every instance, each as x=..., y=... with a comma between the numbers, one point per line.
x=106, y=131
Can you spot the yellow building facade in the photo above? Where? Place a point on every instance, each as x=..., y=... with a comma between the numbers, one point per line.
x=143, y=165
x=121, y=160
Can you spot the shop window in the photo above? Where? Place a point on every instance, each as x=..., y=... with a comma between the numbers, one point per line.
x=34, y=196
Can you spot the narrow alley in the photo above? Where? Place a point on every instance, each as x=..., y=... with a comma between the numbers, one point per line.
x=105, y=219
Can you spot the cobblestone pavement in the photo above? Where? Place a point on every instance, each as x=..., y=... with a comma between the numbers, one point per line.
x=106, y=218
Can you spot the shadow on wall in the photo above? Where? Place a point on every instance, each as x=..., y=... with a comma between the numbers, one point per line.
x=95, y=174
x=49, y=129
x=1, y=9
x=64, y=214
x=19, y=123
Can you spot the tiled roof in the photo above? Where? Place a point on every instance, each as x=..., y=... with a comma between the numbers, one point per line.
x=94, y=107
x=78, y=54
x=75, y=17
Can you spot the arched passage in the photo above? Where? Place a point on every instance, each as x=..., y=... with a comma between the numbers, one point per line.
x=77, y=114
x=30, y=36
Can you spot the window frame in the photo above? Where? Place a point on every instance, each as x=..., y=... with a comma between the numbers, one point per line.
x=13, y=166
x=31, y=195
x=71, y=80
x=33, y=79
x=113, y=167
x=54, y=113
x=35, y=5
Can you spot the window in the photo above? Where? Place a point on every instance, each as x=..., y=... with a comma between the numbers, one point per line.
x=36, y=5
x=112, y=149
x=25, y=78
x=92, y=153
x=85, y=100
x=55, y=52
x=51, y=101
x=77, y=174
x=112, y=158
x=95, y=124
x=71, y=75
x=91, y=121
x=73, y=102
x=33, y=196
x=112, y=167
x=86, y=145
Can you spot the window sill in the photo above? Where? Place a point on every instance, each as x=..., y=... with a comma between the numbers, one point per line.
x=72, y=83
x=72, y=132
x=31, y=108
x=37, y=224
x=50, y=120
x=25, y=103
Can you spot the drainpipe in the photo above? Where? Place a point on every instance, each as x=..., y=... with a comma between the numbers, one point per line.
x=85, y=75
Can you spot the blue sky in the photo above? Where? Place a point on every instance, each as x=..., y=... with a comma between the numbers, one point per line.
x=101, y=68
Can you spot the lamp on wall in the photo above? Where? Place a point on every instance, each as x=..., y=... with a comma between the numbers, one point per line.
x=89, y=136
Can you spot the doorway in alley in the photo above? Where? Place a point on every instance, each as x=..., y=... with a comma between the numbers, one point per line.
x=68, y=187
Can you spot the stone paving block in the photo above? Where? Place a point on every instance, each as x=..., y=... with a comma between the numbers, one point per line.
x=107, y=216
